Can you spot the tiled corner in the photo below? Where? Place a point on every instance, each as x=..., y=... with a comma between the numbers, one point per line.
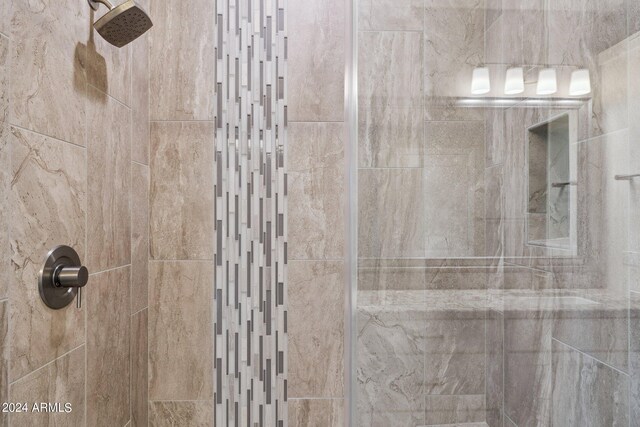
x=390, y=15
x=181, y=198
x=109, y=184
x=180, y=294
x=317, y=191
x=108, y=347
x=48, y=202
x=140, y=136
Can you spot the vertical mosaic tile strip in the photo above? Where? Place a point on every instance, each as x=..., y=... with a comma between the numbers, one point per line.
x=251, y=220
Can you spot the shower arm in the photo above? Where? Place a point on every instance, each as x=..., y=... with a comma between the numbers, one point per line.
x=95, y=4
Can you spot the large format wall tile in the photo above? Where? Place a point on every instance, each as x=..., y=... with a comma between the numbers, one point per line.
x=109, y=185
x=316, y=191
x=390, y=361
x=139, y=236
x=48, y=209
x=458, y=410
x=587, y=392
x=390, y=70
x=494, y=368
x=390, y=15
x=634, y=359
x=6, y=271
x=454, y=45
x=316, y=76
x=181, y=330
x=4, y=358
x=181, y=195
x=390, y=136
x=140, y=97
x=5, y=17
x=139, y=369
x=183, y=60
x=61, y=381
x=172, y=414
x=390, y=216
x=527, y=367
x=4, y=78
x=47, y=54
x=316, y=328
x=454, y=347
x=316, y=413
x=108, y=347
x=108, y=67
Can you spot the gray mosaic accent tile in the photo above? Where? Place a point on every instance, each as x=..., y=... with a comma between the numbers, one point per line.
x=251, y=213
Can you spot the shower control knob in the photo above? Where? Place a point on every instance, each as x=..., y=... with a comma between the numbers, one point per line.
x=62, y=277
x=70, y=277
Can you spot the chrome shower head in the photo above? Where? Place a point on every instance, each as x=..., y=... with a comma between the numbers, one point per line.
x=122, y=24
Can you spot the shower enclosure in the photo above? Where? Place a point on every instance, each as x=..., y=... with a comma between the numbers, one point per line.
x=494, y=161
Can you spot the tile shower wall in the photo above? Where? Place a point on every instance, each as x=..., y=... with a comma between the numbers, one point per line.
x=582, y=362
x=73, y=170
x=317, y=208
x=218, y=223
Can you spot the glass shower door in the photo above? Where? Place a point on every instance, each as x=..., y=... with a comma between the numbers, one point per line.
x=498, y=249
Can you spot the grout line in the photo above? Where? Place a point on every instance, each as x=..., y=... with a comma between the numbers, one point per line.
x=590, y=357
x=109, y=96
x=45, y=365
x=318, y=122
x=45, y=135
x=139, y=164
x=110, y=269
x=181, y=121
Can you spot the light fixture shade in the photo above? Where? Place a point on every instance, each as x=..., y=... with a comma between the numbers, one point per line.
x=580, y=83
x=480, y=82
x=547, y=82
x=514, y=82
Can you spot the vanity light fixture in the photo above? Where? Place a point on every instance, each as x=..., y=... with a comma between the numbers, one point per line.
x=514, y=81
x=580, y=83
x=547, y=82
x=480, y=82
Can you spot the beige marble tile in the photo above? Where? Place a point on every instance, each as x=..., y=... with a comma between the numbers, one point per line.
x=4, y=359
x=61, y=381
x=390, y=137
x=109, y=185
x=108, y=67
x=316, y=76
x=5, y=17
x=454, y=347
x=390, y=358
x=140, y=97
x=390, y=15
x=316, y=328
x=634, y=357
x=316, y=413
x=453, y=46
x=390, y=70
x=587, y=392
x=181, y=198
x=317, y=191
x=108, y=347
x=48, y=208
x=139, y=236
x=173, y=414
x=180, y=297
x=48, y=54
x=454, y=410
x=525, y=32
x=4, y=78
x=182, y=57
x=139, y=369
x=6, y=272
x=390, y=216
x=494, y=368
x=453, y=137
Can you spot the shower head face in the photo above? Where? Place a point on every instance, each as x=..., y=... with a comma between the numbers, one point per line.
x=123, y=24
